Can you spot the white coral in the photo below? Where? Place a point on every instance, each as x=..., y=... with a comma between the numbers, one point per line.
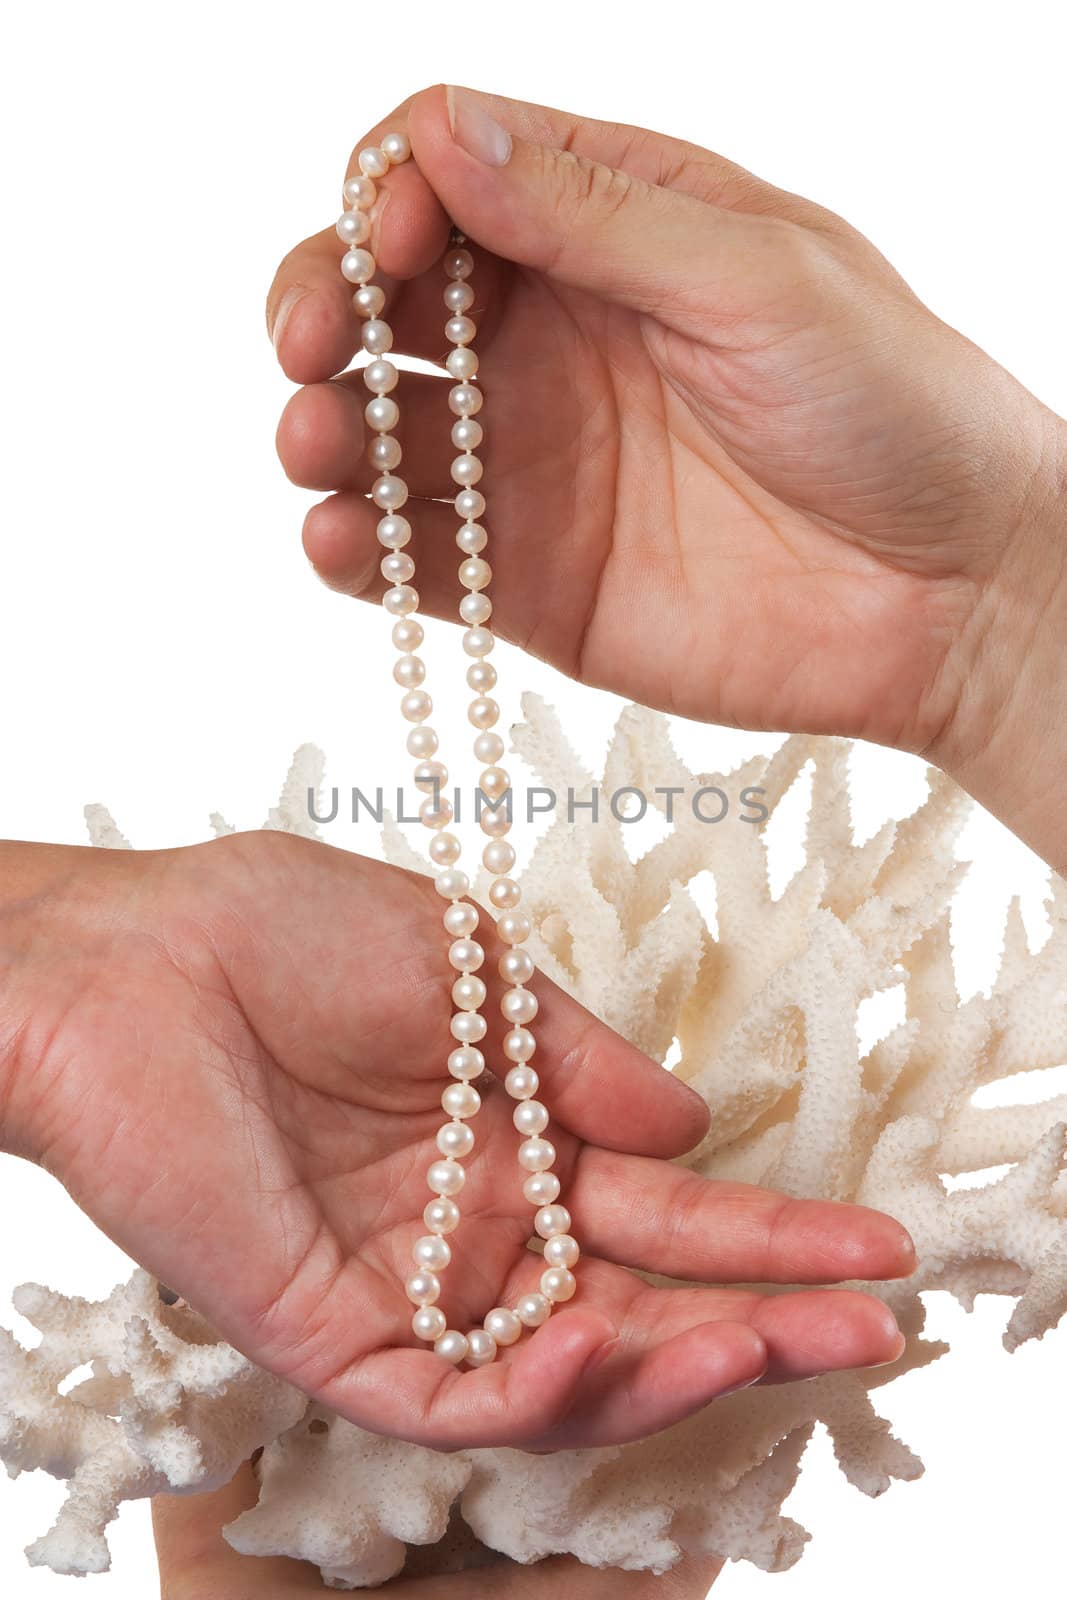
x=764, y=1011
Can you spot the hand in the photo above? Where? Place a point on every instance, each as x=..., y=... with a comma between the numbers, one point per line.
x=734, y=468
x=195, y=1560
x=232, y=1056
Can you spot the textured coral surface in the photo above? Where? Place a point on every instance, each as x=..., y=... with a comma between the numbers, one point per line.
x=758, y=1010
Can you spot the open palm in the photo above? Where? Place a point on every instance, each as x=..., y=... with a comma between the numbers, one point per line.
x=235, y=1066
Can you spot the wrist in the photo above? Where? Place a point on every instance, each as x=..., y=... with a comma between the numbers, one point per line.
x=1006, y=740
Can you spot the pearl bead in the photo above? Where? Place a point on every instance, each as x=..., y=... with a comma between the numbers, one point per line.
x=373, y=162
x=369, y=300
x=357, y=265
x=377, y=336
x=389, y=492
x=466, y=469
x=380, y=376
x=462, y=363
x=481, y=1347
x=516, y=966
x=428, y=775
x=407, y=633
x=557, y=1284
x=353, y=227
x=471, y=537
x=455, y=1139
x=458, y=264
x=409, y=672
x=488, y=747
x=384, y=453
x=533, y=1310
x=536, y=1155
x=458, y=330
x=394, y=532
x=423, y=1288
x=530, y=1117
x=359, y=190
x=416, y=706
x=551, y=1220
x=469, y=504
x=513, y=927
x=460, y=921
x=466, y=434
x=435, y=812
x=475, y=609
x=463, y=1063
x=452, y=1346
x=519, y=1044
x=468, y=993
x=428, y=1323
x=541, y=1188
x=521, y=1083
x=481, y=676
x=493, y=782
x=478, y=642
x=447, y=1177
x=505, y=895
x=444, y=849
x=475, y=573
x=498, y=855
x=452, y=884
x=458, y=297
x=460, y=1100
x=561, y=1250
x=468, y=1027
x=483, y=712
x=518, y=1006
x=466, y=955
x=421, y=741
x=441, y=1215
x=399, y=602
x=465, y=399
x=495, y=823
x=396, y=147
x=382, y=414
x=432, y=1252
x=397, y=568
x=503, y=1325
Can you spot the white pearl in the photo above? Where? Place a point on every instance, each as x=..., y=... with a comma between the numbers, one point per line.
x=493, y=782
x=503, y=1325
x=373, y=162
x=357, y=265
x=466, y=469
x=389, y=492
x=465, y=399
x=421, y=741
x=462, y=363
x=460, y=1100
x=423, y=1288
x=468, y=1027
x=481, y=1347
x=463, y=1063
x=475, y=573
x=498, y=855
x=445, y=850
x=369, y=300
x=533, y=1310
x=409, y=672
x=354, y=228
x=458, y=296
x=428, y=1323
x=516, y=966
x=467, y=434
x=377, y=336
x=416, y=706
x=460, y=921
x=435, y=812
x=551, y=1220
x=518, y=1006
x=536, y=1155
x=458, y=330
x=482, y=712
x=557, y=1284
x=380, y=376
x=530, y=1117
x=384, y=453
x=468, y=993
x=471, y=537
x=478, y=642
x=466, y=955
x=394, y=531
x=396, y=568
x=428, y=775
x=452, y=1346
x=458, y=263
x=561, y=1250
x=481, y=676
x=505, y=895
x=474, y=609
x=452, y=884
x=402, y=600
x=432, y=1252
x=382, y=414
x=359, y=190
x=441, y=1215
x=447, y=1177
x=521, y=1083
x=396, y=147
x=513, y=927
x=519, y=1044
x=495, y=823
x=469, y=504
x=541, y=1188
x=455, y=1140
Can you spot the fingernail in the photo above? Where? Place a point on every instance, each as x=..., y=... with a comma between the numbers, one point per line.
x=475, y=131
x=285, y=310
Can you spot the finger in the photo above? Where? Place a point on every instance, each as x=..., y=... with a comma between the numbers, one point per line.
x=643, y=1213
x=323, y=435
x=195, y=1560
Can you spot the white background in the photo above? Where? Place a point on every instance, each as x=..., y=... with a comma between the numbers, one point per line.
x=164, y=646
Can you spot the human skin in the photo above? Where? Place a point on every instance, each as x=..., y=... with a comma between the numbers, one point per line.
x=734, y=468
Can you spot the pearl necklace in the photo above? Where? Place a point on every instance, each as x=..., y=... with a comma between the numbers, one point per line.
x=460, y=1100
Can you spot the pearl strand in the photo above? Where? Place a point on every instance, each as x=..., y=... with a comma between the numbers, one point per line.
x=432, y=1253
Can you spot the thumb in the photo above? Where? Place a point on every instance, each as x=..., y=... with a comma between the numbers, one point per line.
x=582, y=221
